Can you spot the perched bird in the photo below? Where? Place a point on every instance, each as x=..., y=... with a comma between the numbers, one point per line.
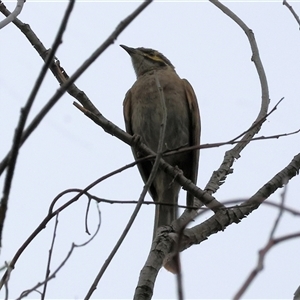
x=143, y=115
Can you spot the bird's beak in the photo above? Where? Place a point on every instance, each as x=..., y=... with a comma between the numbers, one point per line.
x=129, y=50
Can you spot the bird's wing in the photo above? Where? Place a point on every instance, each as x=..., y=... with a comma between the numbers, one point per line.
x=127, y=112
x=195, y=131
x=146, y=166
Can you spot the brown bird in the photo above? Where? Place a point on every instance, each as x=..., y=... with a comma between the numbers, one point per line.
x=143, y=115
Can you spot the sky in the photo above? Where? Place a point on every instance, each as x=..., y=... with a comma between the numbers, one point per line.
x=68, y=150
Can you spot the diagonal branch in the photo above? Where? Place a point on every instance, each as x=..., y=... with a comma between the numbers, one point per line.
x=221, y=220
x=67, y=83
x=52, y=213
x=142, y=196
x=208, y=200
x=17, y=141
x=164, y=243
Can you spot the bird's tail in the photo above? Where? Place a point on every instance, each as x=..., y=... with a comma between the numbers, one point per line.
x=165, y=215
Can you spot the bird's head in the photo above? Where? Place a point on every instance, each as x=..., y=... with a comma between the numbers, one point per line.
x=145, y=60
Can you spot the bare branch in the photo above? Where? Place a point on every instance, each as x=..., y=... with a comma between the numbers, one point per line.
x=208, y=200
x=219, y=176
x=142, y=196
x=281, y=210
x=19, y=132
x=13, y=15
x=49, y=258
x=68, y=82
x=55, y=272
x=166, y=241
x=229, y=204
x=222, y=219
x=264, y=251
x=292, y=11
x=52, y=213
x=260, y=264
x=297, y=294
x=231, y=142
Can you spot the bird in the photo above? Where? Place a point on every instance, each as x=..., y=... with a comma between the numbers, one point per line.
x=143, y=115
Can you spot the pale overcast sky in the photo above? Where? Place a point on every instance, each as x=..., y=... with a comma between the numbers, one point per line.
x=69, y=151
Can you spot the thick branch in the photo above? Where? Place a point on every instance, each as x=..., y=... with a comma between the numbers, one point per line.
x=165, y=242
x=208, y=200
x=141, y=198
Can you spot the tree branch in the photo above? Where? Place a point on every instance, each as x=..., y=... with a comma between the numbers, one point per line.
x=13, y=15
x=67, y=83
x=19, y=132
x=142, y=196
x=164, y=242
x=220, y=175
x=292, y=11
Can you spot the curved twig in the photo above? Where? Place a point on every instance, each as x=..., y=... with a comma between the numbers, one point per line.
x=271, y=242
x=260, y=263
x=52, y=213
x=55, y=272
x=219, y=176
x=13, y=15
x=292, y=11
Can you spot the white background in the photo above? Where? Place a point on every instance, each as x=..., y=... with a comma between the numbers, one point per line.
x=69, y=151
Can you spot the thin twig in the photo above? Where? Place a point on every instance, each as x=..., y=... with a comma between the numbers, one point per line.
x=19, y=132
x=261, y=121
x=264, y=251
x=68, y=83
x=87, y=213
x=230, y=142
x=177, y=255
x=55, y=272
x=229, y=203
x=221, y=220
x=280, y=213
x=49, y=258
x=292, y=11
x=52, y=213
x=207, y=199
x=140, y=201
x=260, y=263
